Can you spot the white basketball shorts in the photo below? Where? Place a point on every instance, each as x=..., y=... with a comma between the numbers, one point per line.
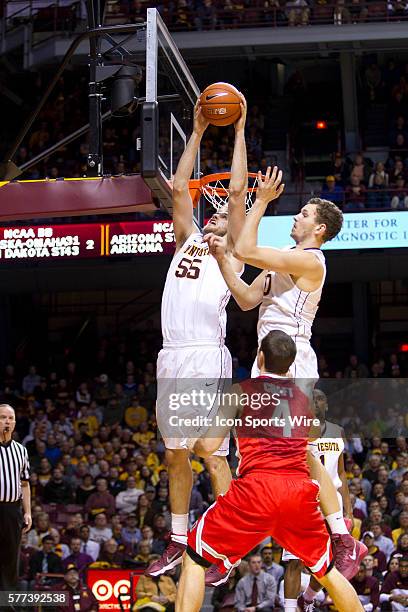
x=181, y=369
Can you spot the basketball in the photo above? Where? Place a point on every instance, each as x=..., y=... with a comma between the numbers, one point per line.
x=220, y=103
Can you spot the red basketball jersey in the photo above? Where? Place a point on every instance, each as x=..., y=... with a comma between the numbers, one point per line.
x=273, y=437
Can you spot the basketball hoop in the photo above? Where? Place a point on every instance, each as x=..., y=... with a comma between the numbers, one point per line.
x=215, y=189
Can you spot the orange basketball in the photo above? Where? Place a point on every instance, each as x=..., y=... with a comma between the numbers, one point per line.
x=220, y=103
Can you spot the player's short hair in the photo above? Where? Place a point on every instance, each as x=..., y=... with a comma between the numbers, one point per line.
x=279, y=351
x=329, y=214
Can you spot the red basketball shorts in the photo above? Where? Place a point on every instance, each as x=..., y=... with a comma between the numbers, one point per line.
x=261, y=505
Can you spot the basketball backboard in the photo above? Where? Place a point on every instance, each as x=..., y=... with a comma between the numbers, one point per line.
x=167, y=113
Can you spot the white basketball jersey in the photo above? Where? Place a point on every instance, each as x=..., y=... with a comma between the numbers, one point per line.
x=288, y=308
x=195, y=297
x=328, y=449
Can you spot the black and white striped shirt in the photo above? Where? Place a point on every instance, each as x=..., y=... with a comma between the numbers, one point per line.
x=14, y=467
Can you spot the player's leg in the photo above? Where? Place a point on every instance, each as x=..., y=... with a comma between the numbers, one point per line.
x=292, y=584
x=180, y=485
x=348, y=551
x=340, y=590
x=307, y=597
x=190, y=590
x=220, y=474
x=329, y=501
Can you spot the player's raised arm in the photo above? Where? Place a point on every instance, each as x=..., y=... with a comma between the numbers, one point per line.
x=182, y=203
x=296, y=261
x=246, y=296
x=239, y=180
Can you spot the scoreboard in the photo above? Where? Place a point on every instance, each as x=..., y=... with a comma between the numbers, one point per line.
x=375, y=230
x=79, y=241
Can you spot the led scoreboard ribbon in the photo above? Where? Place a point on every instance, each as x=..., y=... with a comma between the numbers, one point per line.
x=374, y=230
x=51, y=242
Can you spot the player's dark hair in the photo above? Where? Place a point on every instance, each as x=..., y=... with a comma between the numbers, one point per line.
x=330, y=215
x=279, y=352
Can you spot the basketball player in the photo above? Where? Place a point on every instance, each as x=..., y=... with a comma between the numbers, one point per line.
x=193, y=325
x=329, y=450
x=273, y=495
x=289, y=291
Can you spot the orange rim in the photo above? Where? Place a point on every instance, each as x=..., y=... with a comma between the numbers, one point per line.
x=196, y=185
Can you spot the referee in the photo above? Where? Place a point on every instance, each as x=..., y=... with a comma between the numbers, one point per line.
x=15, y=502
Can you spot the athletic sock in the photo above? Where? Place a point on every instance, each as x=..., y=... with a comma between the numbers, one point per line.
x=309, y=594
x=336, y=523
x=179, y=524
x=290, y=605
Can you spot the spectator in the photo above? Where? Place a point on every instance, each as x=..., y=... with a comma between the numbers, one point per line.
x=160, y=591
x=31, y=381
x=126, y=501
x=395, y=587
x=401, y=468
x=206, y=18
x=42, y=528
x=384, y=544
x=373, y=81
x=358, y=11
x=332, y=192
x=297, y=12
x=355, y=369
x=257, y=588
x=144, y=552
x=112, y=553
x=57, y=491
x=223, y=598
x=268, y=564
x=77, y=558
x=79, y=595
x=45, y=561
x=131, y=534
x=101, y=500
x=372, y=568
x=85, y=489
x=88, y=546
x=361, y=168
x=402, y=545
x=367, y=589
x=355, y=195
x=378, y=183
x=403, y=527
x=380, y=561
x=399, y=199
x=100, y=532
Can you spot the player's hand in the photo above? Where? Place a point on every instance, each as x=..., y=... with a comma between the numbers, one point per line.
x=28, y=521
x=240, y=124
x=271, y=187
x=200, y=122
x=217, y=245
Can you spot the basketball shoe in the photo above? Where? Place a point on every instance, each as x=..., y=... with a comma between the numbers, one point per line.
x=171, y=557
x=348, y=553
x=305, y=606
x=214, y=577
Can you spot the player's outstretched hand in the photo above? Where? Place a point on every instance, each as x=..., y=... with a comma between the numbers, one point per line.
x=271, y=187
x=240, y=124
x=217, y=245
x=200, y=122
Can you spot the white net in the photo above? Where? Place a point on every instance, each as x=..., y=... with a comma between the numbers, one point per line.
x=216, y=192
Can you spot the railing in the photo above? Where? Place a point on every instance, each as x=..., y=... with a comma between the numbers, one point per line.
x=42, y=15
x=370, y=200
x=64, y=15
